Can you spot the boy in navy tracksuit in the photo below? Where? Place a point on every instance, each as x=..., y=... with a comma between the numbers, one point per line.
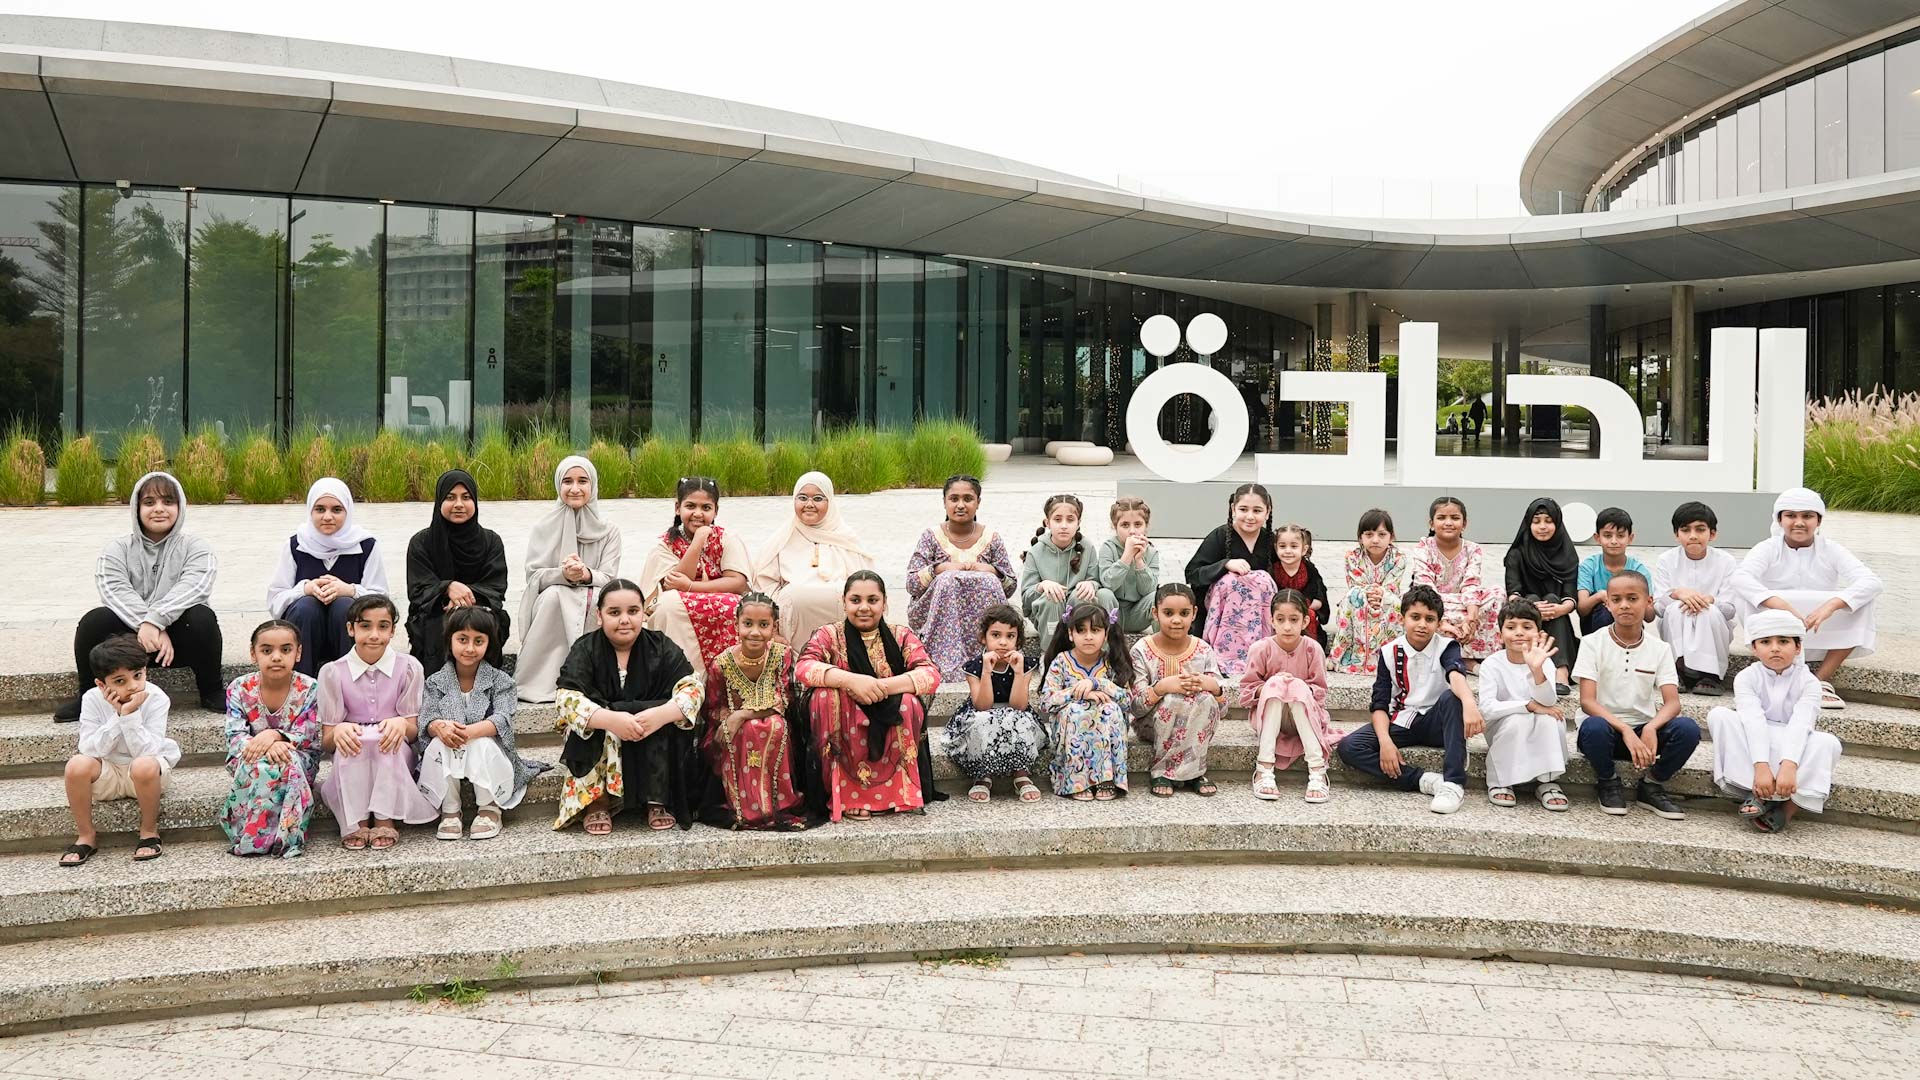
x=1420, y=698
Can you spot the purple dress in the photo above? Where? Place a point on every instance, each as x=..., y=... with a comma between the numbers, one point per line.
x=373, y=783
x=946, y=608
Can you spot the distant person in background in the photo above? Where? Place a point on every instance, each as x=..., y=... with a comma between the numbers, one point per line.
x=1477, y=414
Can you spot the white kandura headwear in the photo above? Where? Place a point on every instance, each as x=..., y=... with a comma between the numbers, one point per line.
x=1772, y=622
x=1797, y=499
x=347, y=538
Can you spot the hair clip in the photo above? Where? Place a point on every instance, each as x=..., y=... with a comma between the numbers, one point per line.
x=1066, y=617
x=1113, y=616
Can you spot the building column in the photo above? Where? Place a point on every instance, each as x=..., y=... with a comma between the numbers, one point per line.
x=1680, y=371
x=1512, y=367
x=1322, y=361
x=1599, y=363
x=1497, y=371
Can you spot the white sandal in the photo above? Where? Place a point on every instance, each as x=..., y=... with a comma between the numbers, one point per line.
x=1263, y=783
x=980, y=791
x=1552, y=797
x=486, y=824
x=1317, y=790
x=450, y=828
x=1502, y=796
x=1829, y=699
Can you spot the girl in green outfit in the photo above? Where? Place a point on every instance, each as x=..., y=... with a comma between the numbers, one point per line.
x=1130, y=564
x=1059, y=570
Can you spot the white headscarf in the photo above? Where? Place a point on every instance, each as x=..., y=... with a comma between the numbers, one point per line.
x=1797, y=499
x=345, y=539
x=1770, y=622
x=563, y=530
x=831, y=532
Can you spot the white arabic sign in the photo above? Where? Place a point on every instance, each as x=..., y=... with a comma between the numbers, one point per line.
x=1735, y=357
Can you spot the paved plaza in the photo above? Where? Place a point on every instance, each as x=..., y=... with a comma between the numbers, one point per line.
x=47, y=553
x=1193, y=1016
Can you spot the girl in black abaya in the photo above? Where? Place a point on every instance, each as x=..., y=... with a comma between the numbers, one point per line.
x=454, y=562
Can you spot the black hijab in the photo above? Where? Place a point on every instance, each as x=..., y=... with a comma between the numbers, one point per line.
x=1542, y=569
x=654, y=665
x=883, y=715
x=459, y=552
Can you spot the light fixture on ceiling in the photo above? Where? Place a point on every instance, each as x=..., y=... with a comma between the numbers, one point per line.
x=386, y=202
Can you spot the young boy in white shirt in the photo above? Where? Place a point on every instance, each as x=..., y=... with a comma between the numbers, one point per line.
x=1765, y=748
x=1526, y=733
x=1693, y=592
x=1630, y=703
x=1817, y=581
x=124, y=752
x=1420, y=698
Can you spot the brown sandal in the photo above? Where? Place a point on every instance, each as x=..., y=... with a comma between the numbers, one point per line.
x=597, y=823
x=382, y=837
x=355, y=840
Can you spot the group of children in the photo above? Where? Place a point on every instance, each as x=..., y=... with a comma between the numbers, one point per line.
x=1253, y=624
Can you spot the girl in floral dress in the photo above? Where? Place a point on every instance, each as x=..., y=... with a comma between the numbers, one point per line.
x=1176, y=694
x=273, y=746
x=748, y=740
x=1086, y=698
x=993, y=733
x=1449, y=563
x=694, y=577
x=1368, y=614
x=958, y=570
x=1231, y=573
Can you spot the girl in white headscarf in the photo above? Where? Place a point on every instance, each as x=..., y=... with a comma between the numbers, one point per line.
x=327, y=562
x=1817, y=581
x=571, y=553
x=805, y=563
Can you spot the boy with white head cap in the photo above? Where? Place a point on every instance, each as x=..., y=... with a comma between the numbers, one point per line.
x=1765, y=748
x=1815, y=580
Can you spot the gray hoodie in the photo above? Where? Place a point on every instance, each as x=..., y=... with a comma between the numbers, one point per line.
x=154, y=581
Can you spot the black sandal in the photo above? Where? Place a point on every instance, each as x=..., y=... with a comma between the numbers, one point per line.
x=85, y=851
x=1205, y=787
x=1161, y=788
x=146, y=844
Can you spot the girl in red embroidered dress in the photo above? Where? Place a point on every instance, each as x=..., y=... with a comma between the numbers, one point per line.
x=748, y=741
x=695, y=575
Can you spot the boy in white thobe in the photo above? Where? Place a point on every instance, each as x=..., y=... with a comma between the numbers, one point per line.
x=1765, y=748
x=1692, y=591
x=1815, y=580
x=1526, y=733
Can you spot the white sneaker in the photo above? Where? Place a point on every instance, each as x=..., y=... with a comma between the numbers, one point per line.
x=1447, y=798
x=1430, y=783
x=1317, y=791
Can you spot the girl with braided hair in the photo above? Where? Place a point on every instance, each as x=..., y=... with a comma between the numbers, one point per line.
x=1060, y=568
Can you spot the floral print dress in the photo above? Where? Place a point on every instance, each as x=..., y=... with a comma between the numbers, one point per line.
x=1178, y=727
x=1360, y=628
x=271, y=804
x=946, y=608
x=1089, y=738
x=1459, y=584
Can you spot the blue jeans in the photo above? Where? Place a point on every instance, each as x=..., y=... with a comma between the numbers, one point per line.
x=1602, y=745
x=1441, y=726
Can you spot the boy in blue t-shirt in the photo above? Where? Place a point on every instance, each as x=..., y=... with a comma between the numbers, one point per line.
x=1614, y=532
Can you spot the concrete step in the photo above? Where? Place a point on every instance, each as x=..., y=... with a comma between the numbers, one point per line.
x=31, y=744
x=803, y=920
x=199, y=882
x=34, y=815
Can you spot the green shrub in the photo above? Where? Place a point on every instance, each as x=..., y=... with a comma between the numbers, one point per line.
x=741, y=467
x=614, y=466
x=312, y=454
x=141, y=452
x=491, y=464
x=657, y=465
x=389, y=468
x=353, y=468
x=262, y=475
x=938, y=449
x=890, y=460
x=699, y=460
x=79, y=476
x=846, y=455
x=534, y=461
x=426, y=460
x=23, y=469
x=786, y=461
x=201, y=467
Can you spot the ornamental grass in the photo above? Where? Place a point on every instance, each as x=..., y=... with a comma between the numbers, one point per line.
x=23, y=469
x=80, y=476
x=201, y=467
x=1863, y=452
x=141, y=452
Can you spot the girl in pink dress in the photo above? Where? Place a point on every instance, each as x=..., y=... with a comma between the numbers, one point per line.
x=370, y=712
x=1449, y=563
x=1285, y=691
x=1367, y=612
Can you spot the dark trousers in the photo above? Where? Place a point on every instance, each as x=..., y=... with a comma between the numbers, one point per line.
x=1596, y=620
x=196, y=645
x=1441, y=726
x=1602, y=745
x=323, y=631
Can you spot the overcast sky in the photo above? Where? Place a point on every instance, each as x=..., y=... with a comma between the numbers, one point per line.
x=1355, y=106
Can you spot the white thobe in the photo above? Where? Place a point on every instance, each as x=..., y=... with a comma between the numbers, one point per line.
x=1700, y=640
x=1521, y=745
x=1772, y=721
x=1806, y=578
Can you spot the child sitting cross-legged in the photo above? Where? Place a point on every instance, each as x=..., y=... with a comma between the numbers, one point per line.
x=1765, y=748
x=1630, y=701
x=1526, y=734
x=1693, y=591
x=124, y=749
x=1285, y=690
x=1420, y=698
x=466, y=731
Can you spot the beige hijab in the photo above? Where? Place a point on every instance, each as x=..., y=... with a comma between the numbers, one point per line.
x=565, y=531
x=798, y=552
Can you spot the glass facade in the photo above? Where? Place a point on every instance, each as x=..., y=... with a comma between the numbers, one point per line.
x=1857, y=116
x=179, y=309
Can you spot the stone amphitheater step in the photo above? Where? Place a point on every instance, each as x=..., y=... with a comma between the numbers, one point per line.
x=34, y=816
x=778, y=922
x=31, y=744
x=199, y=882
